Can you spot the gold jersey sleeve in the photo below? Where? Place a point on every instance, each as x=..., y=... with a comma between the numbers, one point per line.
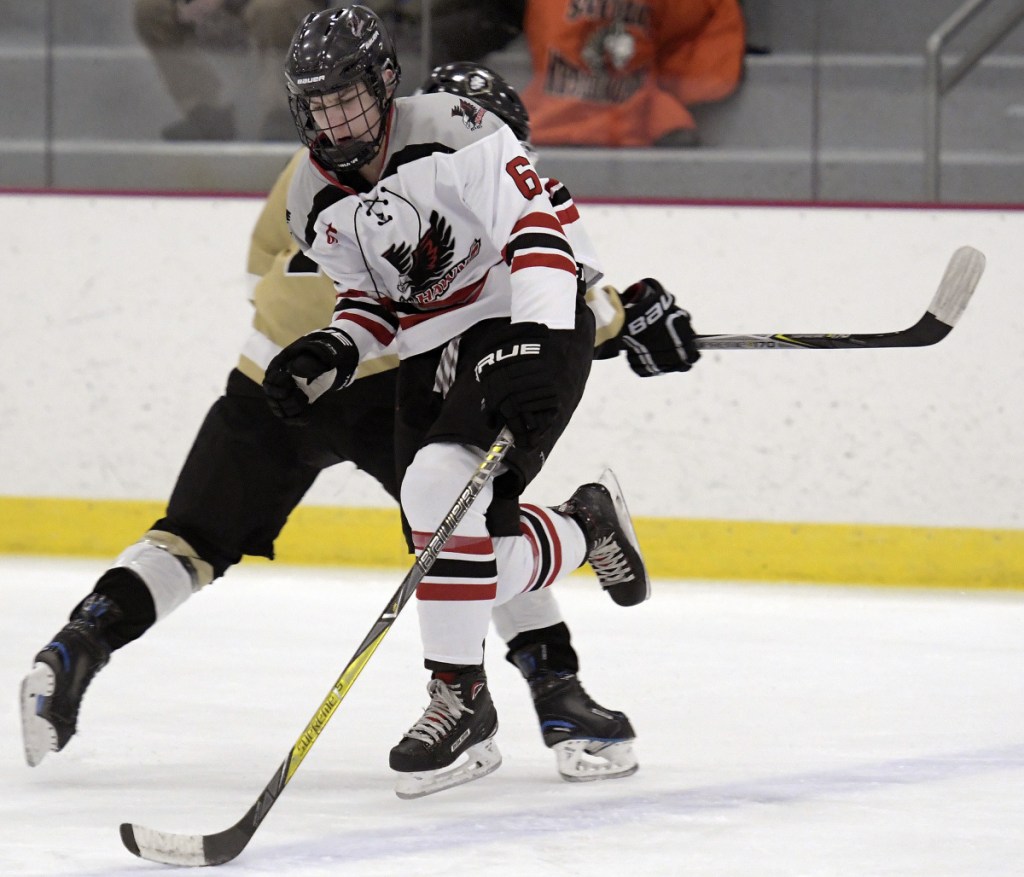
x=609, y=314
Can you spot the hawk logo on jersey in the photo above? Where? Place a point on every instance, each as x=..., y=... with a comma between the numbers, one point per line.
x=472, y=115
x=427, y=270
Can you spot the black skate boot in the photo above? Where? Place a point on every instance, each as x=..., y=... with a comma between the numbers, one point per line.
x=590, y=741
x=459, y=720
x=612, y=548
x=52, y=691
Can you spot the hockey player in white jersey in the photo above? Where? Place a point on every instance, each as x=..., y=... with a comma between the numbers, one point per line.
x=234, y=491
x=438, y=233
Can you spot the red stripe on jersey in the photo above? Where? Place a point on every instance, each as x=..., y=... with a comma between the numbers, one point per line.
x=481, y=545
x=536, y=220
x=456, y=591
x=568, y=215
x=340, y=298
x=556, y=544
x=542, y=260
x=456, y=300
x=383, y=334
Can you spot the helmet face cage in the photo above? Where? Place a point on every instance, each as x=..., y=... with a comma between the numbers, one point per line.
x=485, y=87
x=342, y=58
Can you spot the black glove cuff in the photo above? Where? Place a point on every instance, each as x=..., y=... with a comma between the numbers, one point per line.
x=642, y=293
x=520, y=332
x=512, y=344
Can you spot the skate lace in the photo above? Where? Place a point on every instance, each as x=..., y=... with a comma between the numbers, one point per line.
x=441, y=714
x=610, y=562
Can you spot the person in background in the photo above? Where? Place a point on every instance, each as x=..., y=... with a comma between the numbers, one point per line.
x=247, y=471
x=625, y=72
x=195, y=42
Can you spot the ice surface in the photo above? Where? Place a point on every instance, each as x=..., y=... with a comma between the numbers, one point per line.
x=781, y=731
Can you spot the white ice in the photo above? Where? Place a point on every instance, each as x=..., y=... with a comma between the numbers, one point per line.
x=782, y=730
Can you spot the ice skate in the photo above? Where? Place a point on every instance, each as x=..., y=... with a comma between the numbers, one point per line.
x=590, y=741
x=612, y=548
x=460, y=720
x=52, y=691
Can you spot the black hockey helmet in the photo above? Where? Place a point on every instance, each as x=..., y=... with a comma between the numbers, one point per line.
x=485, y=87
x=335, y=50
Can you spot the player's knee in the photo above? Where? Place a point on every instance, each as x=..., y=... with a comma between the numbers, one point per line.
x=200, y=572
x=433, y=481
x=170, y=568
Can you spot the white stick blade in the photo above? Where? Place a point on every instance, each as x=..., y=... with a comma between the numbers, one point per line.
x=957, y=286
x=159, y=846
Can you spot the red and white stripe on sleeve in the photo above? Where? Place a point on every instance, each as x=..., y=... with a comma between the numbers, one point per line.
x=370, y=323
x=543, y=271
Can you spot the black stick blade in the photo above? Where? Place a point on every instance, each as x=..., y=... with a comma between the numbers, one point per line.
x=947, y=305
x=189, y=850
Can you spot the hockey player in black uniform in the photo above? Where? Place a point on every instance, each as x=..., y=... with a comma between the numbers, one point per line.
x=246, y=472
x=442, y=241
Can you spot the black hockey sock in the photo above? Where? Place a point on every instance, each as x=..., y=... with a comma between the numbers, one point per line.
x=451, y=675
x=438, y=667
x=547, y=649
x=131, y=596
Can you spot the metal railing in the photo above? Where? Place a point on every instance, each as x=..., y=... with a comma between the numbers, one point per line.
x=940, y=82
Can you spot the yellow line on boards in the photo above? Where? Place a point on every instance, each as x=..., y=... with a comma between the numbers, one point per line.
x=903, y=556
x=103, y=528
x=674, y=548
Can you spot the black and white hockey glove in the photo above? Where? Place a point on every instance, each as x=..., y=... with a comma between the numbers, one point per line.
x=657, y=335
x=306, y=369
x=518, y=384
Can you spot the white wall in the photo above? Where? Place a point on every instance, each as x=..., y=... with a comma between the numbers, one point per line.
x=122, y=316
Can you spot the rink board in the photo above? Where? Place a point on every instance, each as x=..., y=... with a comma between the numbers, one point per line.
x=680, y=549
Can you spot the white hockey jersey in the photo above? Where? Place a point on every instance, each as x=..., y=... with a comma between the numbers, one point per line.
x=459, y=229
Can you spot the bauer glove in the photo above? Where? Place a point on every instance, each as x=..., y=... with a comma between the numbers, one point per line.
x=306, y=369
x=517, y=382
x=657, y=335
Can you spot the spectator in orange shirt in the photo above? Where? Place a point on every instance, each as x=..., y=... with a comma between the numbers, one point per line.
x=623, y=72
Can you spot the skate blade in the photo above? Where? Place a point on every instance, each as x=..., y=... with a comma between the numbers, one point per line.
x=609, y=480
x=39, y=735
x=484, y=758
x=581, y=761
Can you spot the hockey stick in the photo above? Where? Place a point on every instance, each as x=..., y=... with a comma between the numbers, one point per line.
x=955, y=291
x=216, y=849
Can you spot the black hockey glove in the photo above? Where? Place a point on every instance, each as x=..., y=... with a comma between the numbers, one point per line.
x=518, y=383
x=306, y=369
x=657, y=335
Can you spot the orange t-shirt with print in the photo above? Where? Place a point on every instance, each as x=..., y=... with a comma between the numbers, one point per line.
x=622, y=72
